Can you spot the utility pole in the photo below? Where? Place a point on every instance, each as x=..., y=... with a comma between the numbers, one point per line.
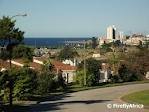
x=84, y=65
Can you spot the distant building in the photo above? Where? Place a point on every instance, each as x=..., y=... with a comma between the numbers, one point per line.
x=97, y=55
x=70, y=62
x=147, y=75
x=136, y=39
x=105, y=73
x=111, y=32
x=68, y=71
x=121, y=36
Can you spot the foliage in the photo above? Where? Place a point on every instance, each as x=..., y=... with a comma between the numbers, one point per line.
x=46, y=83
x=67, y=53
x=92, y=72
x=22, y=51
x=106, y=47
x=115, y=79
x=10, y=36
x=94, y=42
x=8, y=32
x=79, y=79
x=46, y=78
x=137, y=62
x=48, y=66
x=124, y=73
x=25, y=83
x=60, y=81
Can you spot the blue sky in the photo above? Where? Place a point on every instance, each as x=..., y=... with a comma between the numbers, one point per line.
x=77, y=18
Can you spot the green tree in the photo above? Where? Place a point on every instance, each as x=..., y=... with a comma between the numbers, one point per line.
x=92, y=72
x=10, y=36
x=22, y=51
x=60, y=80
x=79, y=79
x=67, y=53
x=46, y=79
x=25, y=83
x=137, y=62
x=106, y=47
x=94, y=42
x=124, y=73
x=46, y=83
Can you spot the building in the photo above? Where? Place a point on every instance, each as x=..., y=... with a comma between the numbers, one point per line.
x=70, y=62
x=111, y=33
x=121, y=36
x=105, y=73
x=136, y=39
x=68, y=71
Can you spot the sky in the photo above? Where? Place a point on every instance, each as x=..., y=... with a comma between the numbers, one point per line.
x=77, y=18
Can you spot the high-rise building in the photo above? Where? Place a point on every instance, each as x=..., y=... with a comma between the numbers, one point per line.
x=121, y=36
x=111, y=32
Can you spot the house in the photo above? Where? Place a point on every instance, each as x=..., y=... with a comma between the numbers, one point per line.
x=105, y=73
x=97, y=55
x=68, y=71
x=70, y=62
x=147, y=75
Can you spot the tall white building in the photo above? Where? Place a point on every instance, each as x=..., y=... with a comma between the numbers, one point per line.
x=121, y=36
x=111, y=32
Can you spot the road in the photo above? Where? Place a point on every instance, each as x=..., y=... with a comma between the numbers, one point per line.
x=95, y=100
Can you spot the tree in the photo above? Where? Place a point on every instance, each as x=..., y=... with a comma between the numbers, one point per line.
x=94, y=42
x=79, y=79
x=92, y=72
x=22, y=51
x=67, y=53
x=25, y=83
x=46, y=79
x=10, y=36
x=124, y=73
x=106, y=48
x=60, y=80
x=137, y=62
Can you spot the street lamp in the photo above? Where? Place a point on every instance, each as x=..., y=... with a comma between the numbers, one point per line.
x=23, y=15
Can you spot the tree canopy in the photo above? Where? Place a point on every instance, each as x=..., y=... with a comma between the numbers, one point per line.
x=9, y=32
x=67, y=53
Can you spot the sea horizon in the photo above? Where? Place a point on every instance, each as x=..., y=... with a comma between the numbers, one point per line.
x=51, y=41
x=55, y=37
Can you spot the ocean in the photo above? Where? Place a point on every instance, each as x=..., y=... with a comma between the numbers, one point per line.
x=50, y=42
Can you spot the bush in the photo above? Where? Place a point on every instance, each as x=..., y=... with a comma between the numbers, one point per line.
x=25, y=83
x=92, y=72
x=46, y=83
x=22, y=51
x=115, y=79
x=80, y=78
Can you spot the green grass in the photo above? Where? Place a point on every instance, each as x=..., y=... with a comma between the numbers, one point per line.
x=141, y=97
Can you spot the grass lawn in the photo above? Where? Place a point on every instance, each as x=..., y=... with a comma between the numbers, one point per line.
x=141, y=97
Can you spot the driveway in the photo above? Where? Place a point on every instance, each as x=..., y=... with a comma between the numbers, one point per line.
x=95, y=100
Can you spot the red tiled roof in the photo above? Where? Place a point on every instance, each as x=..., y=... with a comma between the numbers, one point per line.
x=60, y=66
x=5, y=64
x=57, y=64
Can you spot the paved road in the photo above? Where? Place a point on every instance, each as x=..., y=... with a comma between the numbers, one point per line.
x=95, y=100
